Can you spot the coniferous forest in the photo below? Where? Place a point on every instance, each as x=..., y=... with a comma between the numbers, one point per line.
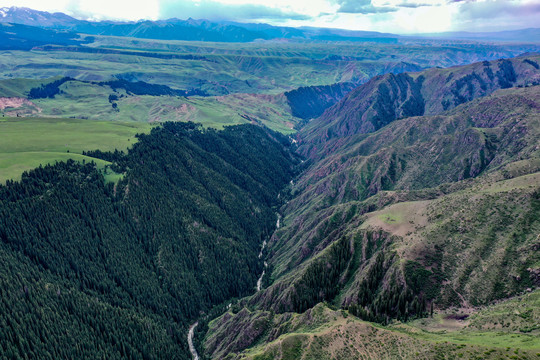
x=100, y=270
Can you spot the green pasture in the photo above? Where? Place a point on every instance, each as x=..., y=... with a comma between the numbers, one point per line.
x=215, y=74
x=25, y=143
x=91, y=101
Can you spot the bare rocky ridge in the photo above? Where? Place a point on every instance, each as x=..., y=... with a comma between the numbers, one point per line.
x=14, y=106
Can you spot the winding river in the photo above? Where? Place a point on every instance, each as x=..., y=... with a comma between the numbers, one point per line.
x=191, y=332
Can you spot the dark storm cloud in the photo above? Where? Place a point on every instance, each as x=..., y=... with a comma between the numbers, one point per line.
x=362, y=7
x=213, y=10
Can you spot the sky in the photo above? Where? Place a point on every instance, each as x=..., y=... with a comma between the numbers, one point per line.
x=393, y=16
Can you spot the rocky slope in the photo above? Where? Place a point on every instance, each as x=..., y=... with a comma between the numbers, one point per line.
x=308, y=102
x=388, y=97
x=325, y=333
x=418, y=158
x=428, y=212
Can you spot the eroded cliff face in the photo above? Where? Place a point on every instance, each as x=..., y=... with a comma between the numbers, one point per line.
x=17, y=106
x=310, y=102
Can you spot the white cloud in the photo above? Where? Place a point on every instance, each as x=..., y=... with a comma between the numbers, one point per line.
x=426, y=19
x=115, y=9
x=237, y=11
x=496, y=15
x=398, y=16
x=55, y=5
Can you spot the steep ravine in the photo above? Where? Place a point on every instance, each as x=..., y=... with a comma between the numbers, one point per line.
x=259, y=281
x=411, y=208
x=390, y=97
x=191, y=331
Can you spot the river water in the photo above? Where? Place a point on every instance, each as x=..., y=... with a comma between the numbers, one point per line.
x=191, y=332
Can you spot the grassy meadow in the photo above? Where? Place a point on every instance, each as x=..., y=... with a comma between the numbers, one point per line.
x=90, y=101
x=215, y=74
x=25, y=143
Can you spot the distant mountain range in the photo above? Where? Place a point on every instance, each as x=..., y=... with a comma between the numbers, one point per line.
x=190, y=29
x=205, y=30
x=24, y=37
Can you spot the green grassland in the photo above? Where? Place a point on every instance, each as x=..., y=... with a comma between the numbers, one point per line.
x=424, y=53
x=25, y=143
x=223, y=68
x=216, y=74
x=42, y=137
x=91, y=101
x=18, y=87
x=517, y=315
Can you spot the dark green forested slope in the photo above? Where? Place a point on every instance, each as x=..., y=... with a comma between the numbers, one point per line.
x=96, y=270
